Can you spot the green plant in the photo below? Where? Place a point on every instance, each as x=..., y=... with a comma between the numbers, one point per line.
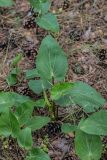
x=88, y=135
x=16, y=120
x=51, y=68
x=16, y=111
x=15, y=71
x=45, y=19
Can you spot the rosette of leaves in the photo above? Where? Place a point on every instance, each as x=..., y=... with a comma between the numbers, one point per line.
x=45, y=19
x=17, y=121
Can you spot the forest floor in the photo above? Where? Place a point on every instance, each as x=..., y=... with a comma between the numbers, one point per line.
x=83, y=36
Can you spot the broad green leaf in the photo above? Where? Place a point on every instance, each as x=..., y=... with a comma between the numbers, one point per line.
x=60, y=89
x=49, y=22
x=42, y=7
x=87, y=97
x=24, y=112
x=45, y=7
x=6, y=3
x=19, y=99
x=37, y=154
x=88, y=147
x=25, y=138
x=37, y=122
x=34, y=3
x=96, y=124
x=9, y=124
x=67, y=128
x=11, y=79
x=51, y=60
x=32, y=74
x=16, y=60
x=83, y=95
x=40, y=103
x=6, y=101
x=10, y=99
x=65, y=101
x=37, y=86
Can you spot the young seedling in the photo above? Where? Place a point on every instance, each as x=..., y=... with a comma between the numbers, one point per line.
x=15, y=71
x=45, y=19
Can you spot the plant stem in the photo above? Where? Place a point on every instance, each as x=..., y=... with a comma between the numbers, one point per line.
x=55, y=108
x=50, y=107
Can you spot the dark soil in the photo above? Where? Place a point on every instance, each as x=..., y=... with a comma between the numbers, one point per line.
x=83, y=36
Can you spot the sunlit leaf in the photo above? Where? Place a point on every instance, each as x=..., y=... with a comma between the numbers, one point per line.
x=61, y=89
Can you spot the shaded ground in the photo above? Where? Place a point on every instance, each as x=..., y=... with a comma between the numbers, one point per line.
x=83, y=36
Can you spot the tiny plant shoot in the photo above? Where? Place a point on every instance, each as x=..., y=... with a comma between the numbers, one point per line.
x=16, y=111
